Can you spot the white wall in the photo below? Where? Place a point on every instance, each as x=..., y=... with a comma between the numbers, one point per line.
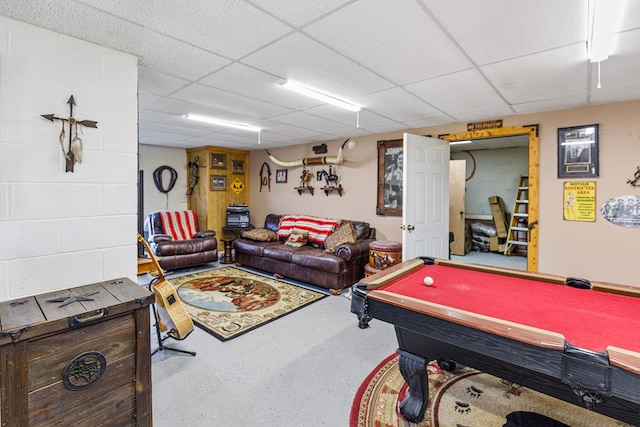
x=496, y=173
x=151, y=158
x=59, y=229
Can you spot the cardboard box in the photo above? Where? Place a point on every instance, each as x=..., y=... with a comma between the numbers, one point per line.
x=499, y=215
x=493, y=244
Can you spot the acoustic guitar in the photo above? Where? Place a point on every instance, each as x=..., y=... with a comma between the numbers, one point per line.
x=173, y=316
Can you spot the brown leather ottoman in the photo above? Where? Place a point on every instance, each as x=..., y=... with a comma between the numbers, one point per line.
x=368, y=270
x=384, y=254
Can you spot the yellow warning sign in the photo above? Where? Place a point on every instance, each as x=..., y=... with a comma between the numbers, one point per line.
x=237, y=186
x=579, y=201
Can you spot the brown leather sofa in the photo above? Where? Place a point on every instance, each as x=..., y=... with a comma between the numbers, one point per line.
x=174, y=237
x=307, y=263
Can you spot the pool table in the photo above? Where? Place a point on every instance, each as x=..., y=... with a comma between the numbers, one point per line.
x=576, y=340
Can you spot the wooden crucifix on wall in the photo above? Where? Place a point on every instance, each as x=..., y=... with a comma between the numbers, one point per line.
x=74, y=152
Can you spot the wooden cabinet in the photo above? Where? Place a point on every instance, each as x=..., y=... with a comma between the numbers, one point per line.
x=224, y=180
x=77, y=357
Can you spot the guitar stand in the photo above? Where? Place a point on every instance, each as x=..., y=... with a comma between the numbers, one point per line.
x=162, y=339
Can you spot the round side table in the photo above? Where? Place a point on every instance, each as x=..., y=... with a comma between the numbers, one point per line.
x=227, y=258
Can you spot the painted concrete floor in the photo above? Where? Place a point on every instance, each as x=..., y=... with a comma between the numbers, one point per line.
x=300, y=370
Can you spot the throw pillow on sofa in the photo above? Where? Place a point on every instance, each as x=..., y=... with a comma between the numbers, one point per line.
x=260, y=235
x=297, y=238
x=346, y=233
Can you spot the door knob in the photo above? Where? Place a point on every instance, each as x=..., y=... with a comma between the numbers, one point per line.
x=410, y=227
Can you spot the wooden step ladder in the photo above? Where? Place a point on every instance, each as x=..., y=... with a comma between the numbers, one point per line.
x=518, y=236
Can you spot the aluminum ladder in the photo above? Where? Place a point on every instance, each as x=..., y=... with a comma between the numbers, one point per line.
x=518, y=235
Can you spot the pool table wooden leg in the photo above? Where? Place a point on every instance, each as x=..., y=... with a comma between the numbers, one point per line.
x=414, y=371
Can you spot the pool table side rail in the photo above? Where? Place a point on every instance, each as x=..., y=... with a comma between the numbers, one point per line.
x=625, y=359
x=523, y=333
x=388, y=275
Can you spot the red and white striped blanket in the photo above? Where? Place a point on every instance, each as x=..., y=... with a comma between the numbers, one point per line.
x=318, y=228
x=180, y=225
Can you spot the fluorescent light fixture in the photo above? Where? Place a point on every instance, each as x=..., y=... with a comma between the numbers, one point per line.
x=221, y=122
x=466, y=141
x=315, y=94
x=605, y=17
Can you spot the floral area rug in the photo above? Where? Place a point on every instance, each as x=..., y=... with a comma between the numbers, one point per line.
x=228, y=301
x=464, y=398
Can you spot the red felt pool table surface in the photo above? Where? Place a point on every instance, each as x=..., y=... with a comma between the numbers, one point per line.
x=529, y=309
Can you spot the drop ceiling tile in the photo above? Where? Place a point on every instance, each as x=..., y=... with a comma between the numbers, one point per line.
x=146, y=100
x=228, y=28
x=330, y=112
x=276, y=138
x=630, y=16
x=371, y=32
x=156, y=132
x=185, y=61
x=155, y=83
x=289, y=130
x=396, y=104
x=77, y=20
x=458, y=92
x=563, y=102
x=432, y=121
x=495, y=30
x=299, y=58
x=309, y=121
x=298, y=16
x=552, y=74
x=605, y=95
x=172, y=107
x=244, y=80
x=226, y=101
x=483, y=114
x=381, y=129
x=175, y=127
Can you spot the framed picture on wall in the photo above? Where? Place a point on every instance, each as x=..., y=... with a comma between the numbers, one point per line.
x=578, y=152
x=237, y=166
x=390, y=159
x=218, y=183
x=281, y=176
x=218, y=161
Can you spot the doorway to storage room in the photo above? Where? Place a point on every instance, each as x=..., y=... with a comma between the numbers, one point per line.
x=494, y=177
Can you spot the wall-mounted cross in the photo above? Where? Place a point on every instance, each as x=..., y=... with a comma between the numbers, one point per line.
x=74, y=152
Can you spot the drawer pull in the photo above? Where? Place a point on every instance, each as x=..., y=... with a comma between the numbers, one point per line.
x=87, y=318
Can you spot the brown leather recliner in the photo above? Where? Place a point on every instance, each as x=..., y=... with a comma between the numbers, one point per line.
x=174, y=237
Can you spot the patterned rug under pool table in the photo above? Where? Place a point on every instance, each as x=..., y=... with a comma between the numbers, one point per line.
x=465, y=398
x=228, y=301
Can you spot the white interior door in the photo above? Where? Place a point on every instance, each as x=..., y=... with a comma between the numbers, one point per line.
x=425, y=202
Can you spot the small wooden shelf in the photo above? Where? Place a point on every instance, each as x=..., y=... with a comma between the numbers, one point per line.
x=328, y=190
x=304, y=190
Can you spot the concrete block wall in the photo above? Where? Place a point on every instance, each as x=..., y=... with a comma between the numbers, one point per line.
x=60, y=229
x=497, y=174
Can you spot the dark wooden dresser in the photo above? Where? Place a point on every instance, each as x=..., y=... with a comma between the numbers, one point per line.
x=77, y=357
